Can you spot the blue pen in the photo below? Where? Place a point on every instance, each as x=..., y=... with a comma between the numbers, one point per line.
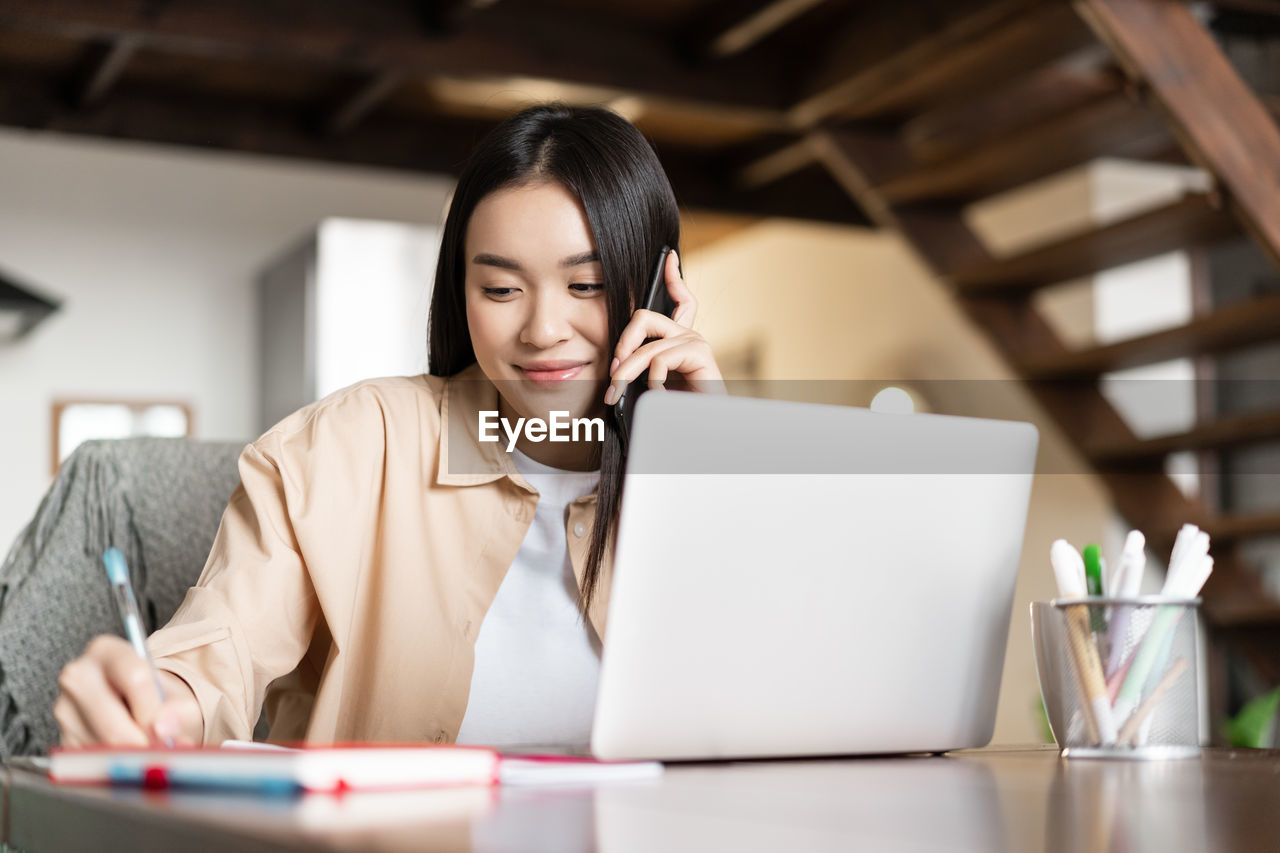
x=127, y=603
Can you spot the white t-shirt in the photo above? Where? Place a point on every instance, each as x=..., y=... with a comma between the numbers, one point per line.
x=537, y=658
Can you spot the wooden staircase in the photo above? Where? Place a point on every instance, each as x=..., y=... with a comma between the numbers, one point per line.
x=1006, y=93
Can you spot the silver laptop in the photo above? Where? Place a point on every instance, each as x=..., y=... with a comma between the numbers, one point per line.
x=796, y=579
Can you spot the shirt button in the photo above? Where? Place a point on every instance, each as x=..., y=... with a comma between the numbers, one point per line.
x=579, y=529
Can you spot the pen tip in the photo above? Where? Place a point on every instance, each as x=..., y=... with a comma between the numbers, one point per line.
x=117, y=571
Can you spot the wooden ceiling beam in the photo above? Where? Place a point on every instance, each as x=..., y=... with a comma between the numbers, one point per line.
x=779, y=164
x=756, y=26
x=507, y=40
x=709, y=180
x=375, y=89
x=104, y=64
x=425, y=144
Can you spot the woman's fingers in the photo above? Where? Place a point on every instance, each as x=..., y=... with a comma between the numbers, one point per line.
x=688, y=355
x=131, y=677
x=102, y=712
x=179, y=717
x=658, y=370
x=109, y=695
x=643, y=326
x=173, y=723
x=646, y=324
x=639, y=361
x=673, y=346
x=686, y=305
x=72, y=729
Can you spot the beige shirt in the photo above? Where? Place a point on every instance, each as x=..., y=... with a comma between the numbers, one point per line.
x=354, y=566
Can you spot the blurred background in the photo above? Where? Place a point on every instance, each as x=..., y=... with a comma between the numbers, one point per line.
x=212, y=213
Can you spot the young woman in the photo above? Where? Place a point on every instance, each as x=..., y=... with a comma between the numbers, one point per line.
x=383, y=573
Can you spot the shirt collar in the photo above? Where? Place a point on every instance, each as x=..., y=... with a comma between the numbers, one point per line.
x=467, y=461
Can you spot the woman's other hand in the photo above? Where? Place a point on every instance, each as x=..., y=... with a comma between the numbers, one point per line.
x=677, y=351
x=107, y=696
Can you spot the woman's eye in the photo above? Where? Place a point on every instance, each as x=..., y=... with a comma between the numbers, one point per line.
x=585, y=287
x=499, y=292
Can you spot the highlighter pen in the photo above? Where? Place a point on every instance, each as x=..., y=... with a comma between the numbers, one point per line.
x=1093, y=583
x=1068, y=568
x=127, y=604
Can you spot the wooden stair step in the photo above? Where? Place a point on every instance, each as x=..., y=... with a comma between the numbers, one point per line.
x=1235, y=596
x=1224, y=612
x=1245, y=525
x=1012, y=103
x=891, y=61
x=1235, y=431
x=950, y=73
x=1233, y=327
x=1216, y=117
x=1108, y=126
x=1189, y=221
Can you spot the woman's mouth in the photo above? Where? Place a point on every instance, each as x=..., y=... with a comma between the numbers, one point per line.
x=551, y=372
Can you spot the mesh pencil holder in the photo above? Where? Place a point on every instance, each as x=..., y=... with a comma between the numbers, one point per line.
x=1118, y=675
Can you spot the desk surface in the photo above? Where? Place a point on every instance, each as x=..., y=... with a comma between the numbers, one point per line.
x=984, y=800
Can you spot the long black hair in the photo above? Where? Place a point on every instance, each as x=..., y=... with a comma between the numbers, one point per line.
x=602, y=159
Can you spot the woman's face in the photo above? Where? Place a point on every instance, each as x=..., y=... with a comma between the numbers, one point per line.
x=536, y=303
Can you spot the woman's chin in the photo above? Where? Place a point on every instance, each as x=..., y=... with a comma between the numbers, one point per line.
x=579, y=398
x=560, y=411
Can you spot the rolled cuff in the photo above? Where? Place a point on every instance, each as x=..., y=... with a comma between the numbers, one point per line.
x=195, y=653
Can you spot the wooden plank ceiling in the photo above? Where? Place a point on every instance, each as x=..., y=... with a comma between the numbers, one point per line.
x=412, y=85
x=728, y=90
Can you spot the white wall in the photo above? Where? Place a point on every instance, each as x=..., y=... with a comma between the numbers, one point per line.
x=153, y=251
x=373, y=295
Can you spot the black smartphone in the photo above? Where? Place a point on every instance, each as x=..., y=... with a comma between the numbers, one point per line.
x=656, y=299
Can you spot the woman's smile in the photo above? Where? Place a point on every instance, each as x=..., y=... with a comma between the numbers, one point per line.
x=551, y=372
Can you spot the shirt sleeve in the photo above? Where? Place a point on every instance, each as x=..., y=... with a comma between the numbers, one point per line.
x=250, y=617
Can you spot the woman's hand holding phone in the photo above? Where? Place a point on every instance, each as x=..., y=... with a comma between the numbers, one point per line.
x=675, y=352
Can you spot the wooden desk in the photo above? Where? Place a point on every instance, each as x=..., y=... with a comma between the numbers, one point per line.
x=986, y=800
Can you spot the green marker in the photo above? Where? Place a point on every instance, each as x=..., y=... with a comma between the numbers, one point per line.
x=1093, y=582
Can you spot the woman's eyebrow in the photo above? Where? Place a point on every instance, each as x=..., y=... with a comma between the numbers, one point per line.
x=507, y=264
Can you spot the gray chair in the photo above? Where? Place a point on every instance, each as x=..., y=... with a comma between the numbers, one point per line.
x=157, y=499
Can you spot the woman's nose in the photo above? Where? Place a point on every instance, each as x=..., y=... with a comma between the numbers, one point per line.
x=547, y=324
